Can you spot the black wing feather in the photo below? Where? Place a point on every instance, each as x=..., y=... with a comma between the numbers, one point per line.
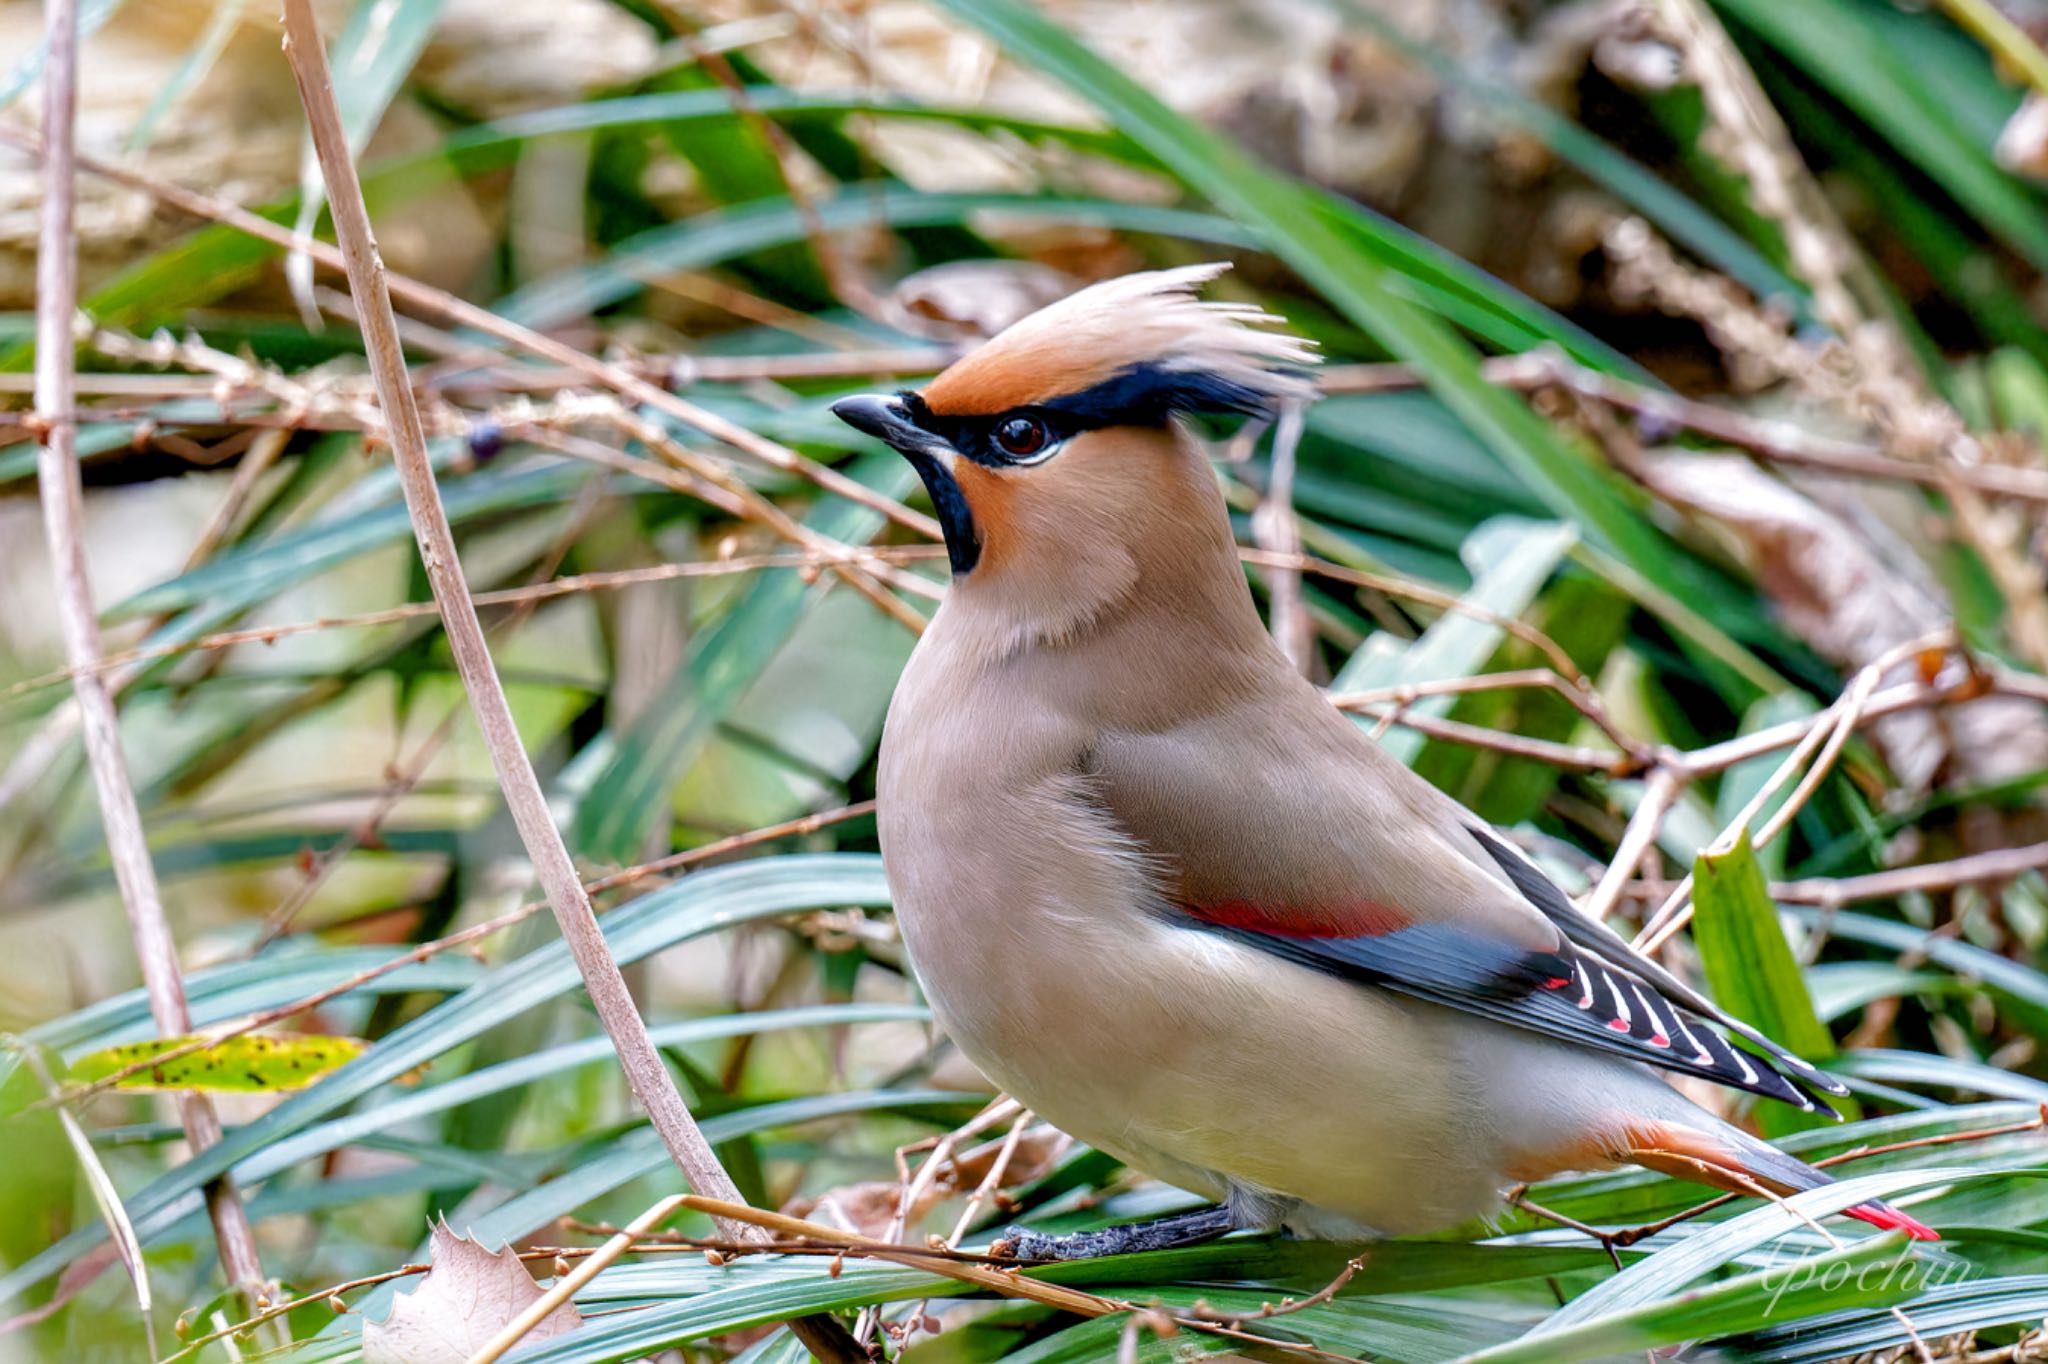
x=1567, y=995
x=1610, y=948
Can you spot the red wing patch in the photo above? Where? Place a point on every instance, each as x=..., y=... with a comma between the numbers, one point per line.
x=1363, y=919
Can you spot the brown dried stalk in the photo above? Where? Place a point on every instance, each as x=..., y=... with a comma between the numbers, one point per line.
x=1008, y=1283
x=63, y=514
x=1778, y=442
x=465, y=314
x=645, y=1074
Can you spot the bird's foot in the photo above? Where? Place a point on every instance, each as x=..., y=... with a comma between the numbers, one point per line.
x=1165, y=1233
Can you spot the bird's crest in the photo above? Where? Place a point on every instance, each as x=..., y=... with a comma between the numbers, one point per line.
x=1142, y=327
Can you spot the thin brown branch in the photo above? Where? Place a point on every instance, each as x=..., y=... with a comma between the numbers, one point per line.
x=759, y=508
x=63, y=498
x=461, y=313
x=1779, y=442
x=2002, y=864
x=1286, y=1306
x=645, y=1073
x=1008, y=1283
x=564, y=1288
x=1568, y=756
x=1585, y=701
x=1661, y=790
x=1826, y=734
x=1414, y=591
x=608, y=581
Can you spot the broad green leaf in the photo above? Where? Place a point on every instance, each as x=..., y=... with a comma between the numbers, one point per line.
x=1942, y=1072
x=710, y=238
x=1951, y=1304
x=2021, y=984
x=1586, y=618
x=217, y=993
x=440, y=1098
x=1839, y=988
x=347, y=528
x=735, y=164
x=1750, y=967
x=254, y=1063
x=688, y=1302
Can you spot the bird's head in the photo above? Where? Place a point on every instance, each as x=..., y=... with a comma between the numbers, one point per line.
x=1051, y=452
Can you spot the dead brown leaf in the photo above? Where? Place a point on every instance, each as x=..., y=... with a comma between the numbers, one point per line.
x=1841, y=581
x=464, y=1300
x=970, y=299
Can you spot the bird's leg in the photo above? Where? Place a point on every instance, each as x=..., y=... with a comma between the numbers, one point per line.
x=1164, y=1233
x=1519, y=1197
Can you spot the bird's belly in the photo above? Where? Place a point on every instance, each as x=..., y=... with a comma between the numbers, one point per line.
x=1212, y=1065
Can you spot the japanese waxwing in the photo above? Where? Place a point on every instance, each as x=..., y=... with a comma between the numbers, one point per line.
x=1163, y=893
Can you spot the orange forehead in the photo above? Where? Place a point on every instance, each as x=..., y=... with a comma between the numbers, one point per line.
x=1019, y=373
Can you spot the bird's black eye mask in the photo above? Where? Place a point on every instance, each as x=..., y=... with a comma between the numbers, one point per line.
x=1144, y=395
x=1141, y=395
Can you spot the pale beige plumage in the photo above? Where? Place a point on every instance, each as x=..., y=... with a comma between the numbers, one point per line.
x=1097, y=755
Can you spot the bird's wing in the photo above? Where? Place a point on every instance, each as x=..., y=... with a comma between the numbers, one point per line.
x=1309, y=843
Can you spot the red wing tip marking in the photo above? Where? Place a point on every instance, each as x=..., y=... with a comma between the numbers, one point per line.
x=1660, y=1040
x=1891, y=1219
x=1618, y=1024
x=1557, y=982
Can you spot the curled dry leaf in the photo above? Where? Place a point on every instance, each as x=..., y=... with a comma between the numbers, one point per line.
x=970, y=299
x=464, y=1300
x=870, y=1208
x=1037, y=1151
x=1840, y=582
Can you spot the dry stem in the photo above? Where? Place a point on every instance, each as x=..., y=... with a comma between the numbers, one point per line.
x=63, y=515
x=645, y=1073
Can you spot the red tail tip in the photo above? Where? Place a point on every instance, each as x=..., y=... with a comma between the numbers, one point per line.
x=1891, y=1219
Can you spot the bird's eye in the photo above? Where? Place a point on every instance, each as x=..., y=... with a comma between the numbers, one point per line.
x=1021, y=437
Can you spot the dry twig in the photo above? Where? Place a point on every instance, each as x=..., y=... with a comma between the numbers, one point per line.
x=58, y=480
x=645, y=1073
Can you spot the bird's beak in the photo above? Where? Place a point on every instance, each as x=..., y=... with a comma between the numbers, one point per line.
x=886, y=419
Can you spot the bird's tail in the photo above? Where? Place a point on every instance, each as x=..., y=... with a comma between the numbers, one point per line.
x=1727, y=1158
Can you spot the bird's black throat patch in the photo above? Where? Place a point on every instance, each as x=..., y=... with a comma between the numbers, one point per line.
x=956, y=518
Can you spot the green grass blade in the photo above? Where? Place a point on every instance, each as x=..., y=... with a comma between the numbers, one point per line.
x=698, y=904
x=1876, y=1271
x=1750, y=967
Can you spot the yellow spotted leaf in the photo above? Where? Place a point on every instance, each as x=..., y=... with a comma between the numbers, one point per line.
x=250, y=1064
